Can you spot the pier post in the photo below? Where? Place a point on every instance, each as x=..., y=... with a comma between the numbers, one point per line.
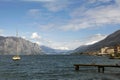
x=99, y=69
x=103, y=69
x=76, y=67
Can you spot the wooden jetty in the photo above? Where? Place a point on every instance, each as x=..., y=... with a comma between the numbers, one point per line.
x=101, y=67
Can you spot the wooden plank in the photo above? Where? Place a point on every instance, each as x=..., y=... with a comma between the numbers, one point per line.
x=102, y=65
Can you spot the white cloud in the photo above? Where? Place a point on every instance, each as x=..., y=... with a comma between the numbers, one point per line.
x=67, y=45
x=39, y=0
x=6, y=0
x=35, y=36
x=62, y=48
x=55, y=6
x=73, y=44
x=84, y=17
x=37, y=42
x=95, y=38
x=58, y=5
x=59, y=45
x=104, y=15
x=74, y=26
x=30, y=0
x=23, y=37
x=94, y=1
x=117, y=2
x=81, y=17
x=86, y=41
x=35, y=13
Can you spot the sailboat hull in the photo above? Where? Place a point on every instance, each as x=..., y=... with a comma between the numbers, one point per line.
x=16, y=58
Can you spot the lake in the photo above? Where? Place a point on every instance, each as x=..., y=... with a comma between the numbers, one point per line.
x=56, y=67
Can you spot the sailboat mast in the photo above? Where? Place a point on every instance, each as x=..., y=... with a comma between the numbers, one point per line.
x=16, y=57
x=16, y=41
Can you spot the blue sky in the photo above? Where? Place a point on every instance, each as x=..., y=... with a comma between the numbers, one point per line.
x=60, y=24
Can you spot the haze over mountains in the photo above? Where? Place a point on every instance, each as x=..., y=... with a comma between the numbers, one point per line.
x=111, y=40
x=49, y=50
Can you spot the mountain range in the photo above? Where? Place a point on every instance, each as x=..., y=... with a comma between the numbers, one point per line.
x=52, y=51
x=25, y=47
x=14, y=45
x=17, y=45
x=111, y=40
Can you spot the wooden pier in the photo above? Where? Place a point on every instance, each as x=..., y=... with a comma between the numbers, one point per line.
x=101, y=67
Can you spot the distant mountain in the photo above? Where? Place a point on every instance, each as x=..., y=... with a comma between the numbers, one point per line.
x=79, y=50
x=111, y=40
x=49, y=50
x=25, y=47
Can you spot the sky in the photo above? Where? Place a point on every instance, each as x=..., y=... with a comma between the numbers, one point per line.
x=60, y=24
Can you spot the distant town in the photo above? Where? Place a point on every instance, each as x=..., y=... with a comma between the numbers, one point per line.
x=113, y=50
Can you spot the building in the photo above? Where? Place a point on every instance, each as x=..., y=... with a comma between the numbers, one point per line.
x=110, y=50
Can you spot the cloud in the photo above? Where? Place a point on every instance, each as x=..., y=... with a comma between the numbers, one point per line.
x=6, y=0
x=89, y=16
x=57, y=5
x=73, y=44
x=117, y=2
x=62, y=48
x=50, y=27
x=94, y=38
x=99, y=1
x=105, y=15
x=35, y=13
x=39, y=0
x=30, y=0
x=35, y=36
x=67, y=45
x=37, y=42
x=24, y=37
x=61, y=5
x=58, y=45
x=74, y=26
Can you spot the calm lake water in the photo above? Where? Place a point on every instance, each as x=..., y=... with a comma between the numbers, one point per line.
x=56, y=68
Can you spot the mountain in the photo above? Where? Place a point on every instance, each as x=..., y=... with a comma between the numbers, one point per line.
x=25, y=47
x=49, y=50
x=111, y=40
x=79, y=50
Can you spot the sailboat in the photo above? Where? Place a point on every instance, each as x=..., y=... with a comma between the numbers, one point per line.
x=16, y=57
